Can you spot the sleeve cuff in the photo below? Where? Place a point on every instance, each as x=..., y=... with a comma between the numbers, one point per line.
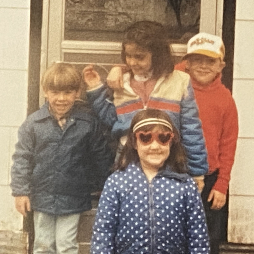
x=94, y=88
x=221, y=185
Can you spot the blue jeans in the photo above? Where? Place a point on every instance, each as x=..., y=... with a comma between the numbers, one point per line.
x=55, y=234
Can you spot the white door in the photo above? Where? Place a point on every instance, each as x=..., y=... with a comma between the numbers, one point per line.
x=89, y=31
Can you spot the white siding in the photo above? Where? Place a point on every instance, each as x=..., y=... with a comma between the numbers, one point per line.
x=14, y=47
x=241, y=212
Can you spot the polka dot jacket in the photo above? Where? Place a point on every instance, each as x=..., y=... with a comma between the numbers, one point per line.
x=135, y=216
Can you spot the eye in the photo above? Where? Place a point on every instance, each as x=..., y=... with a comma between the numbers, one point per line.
x=145, y=138
x=196, y=60
x=139, y=57
x=211, y=61
x=164, y=137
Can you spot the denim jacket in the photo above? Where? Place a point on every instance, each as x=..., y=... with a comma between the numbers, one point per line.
x=55, y=167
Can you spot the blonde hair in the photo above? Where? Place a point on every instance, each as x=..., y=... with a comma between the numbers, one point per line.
x=61, y=77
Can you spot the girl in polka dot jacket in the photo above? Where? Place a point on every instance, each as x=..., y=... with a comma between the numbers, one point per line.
x=150, y=204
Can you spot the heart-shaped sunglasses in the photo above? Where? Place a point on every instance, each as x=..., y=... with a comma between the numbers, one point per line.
x=146, y=138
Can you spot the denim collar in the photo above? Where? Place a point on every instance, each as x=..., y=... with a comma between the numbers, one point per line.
x=77, y=111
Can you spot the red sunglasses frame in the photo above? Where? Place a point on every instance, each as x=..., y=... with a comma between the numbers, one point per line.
x=154, y=136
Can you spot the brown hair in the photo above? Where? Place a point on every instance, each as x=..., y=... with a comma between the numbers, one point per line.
x=151, y=36
x=61, y=77
x=177, y=157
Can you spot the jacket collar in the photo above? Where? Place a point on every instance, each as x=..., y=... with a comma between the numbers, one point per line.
x=43, y=112
x=167, y=172
x=77, y=111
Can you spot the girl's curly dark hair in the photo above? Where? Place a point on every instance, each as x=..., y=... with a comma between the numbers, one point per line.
x=152, y=36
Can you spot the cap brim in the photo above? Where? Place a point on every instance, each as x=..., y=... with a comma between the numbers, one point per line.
x=203, y=52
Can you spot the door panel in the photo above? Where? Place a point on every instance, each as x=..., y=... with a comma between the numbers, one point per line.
x=90, y=31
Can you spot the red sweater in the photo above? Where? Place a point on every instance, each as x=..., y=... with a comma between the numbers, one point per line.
x=219, y=118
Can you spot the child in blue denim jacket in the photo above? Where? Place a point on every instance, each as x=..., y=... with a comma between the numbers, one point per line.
x=60, y=148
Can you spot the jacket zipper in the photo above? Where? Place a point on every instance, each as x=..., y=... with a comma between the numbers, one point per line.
x=159, y=81
x=151, y=211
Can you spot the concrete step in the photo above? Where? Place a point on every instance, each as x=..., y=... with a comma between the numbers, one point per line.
x=13, y=242
x=233, y=248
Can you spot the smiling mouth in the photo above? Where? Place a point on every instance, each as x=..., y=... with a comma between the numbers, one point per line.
x=155, y=155
x=61, y=107
x=203, y=72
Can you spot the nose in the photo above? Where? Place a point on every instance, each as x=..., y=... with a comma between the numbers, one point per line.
x=203, y=63
x=61, y=96
x=132, y=61
x=154, y=145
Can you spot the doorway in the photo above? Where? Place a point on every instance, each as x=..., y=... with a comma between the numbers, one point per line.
x=58, y=34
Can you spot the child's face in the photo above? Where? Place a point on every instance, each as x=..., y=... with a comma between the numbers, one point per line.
x=154, y=154
x=204, y=69
x=138, y=59
x=61, y=101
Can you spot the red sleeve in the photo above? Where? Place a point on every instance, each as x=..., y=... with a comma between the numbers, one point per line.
x=227, y=146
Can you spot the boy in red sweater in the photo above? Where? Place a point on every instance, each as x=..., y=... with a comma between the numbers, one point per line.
x=204, y=63
x=218, y=113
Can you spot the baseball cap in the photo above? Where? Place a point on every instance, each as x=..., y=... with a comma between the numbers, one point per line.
x=206, y=44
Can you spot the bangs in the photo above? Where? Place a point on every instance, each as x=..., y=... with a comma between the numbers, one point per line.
x=63, y=81
x=62, y=76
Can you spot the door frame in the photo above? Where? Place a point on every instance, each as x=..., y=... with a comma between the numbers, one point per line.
x=53, y=45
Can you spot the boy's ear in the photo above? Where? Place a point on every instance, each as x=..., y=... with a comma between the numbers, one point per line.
x=222, y=65
x=187, y=64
